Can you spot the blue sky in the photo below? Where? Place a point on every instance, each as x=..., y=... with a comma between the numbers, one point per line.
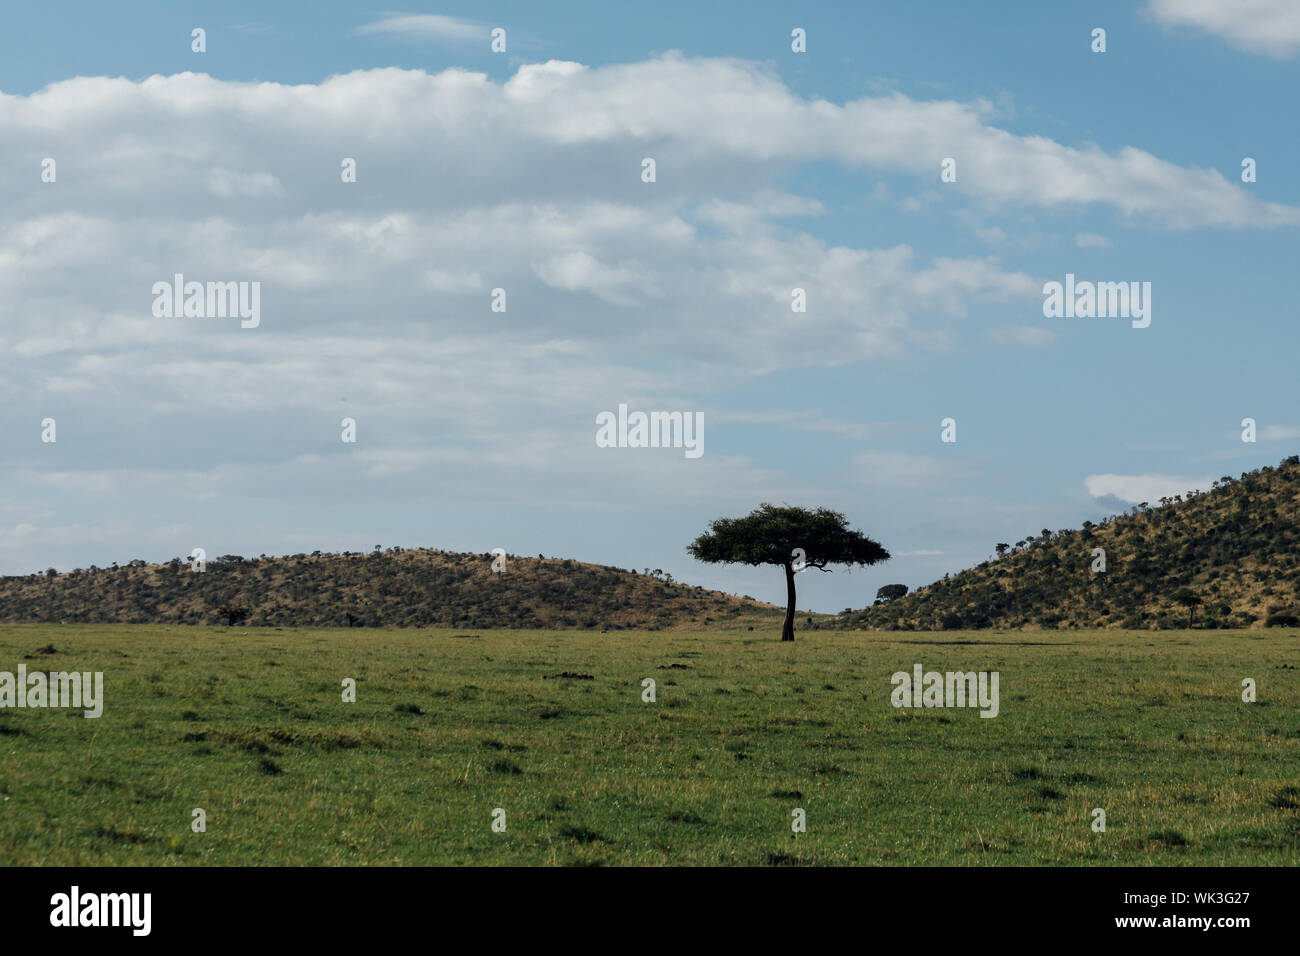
x=521, y=170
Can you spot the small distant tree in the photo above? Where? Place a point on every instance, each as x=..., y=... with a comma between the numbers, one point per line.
x=771, y=535
x=233, y=613
x=1001, y=549
x=891, y=592
x=1188, y=599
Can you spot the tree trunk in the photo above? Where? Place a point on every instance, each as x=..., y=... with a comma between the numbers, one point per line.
x=787, y=630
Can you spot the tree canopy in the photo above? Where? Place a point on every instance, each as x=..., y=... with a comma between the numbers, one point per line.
x=770, y=534
x=891, y=592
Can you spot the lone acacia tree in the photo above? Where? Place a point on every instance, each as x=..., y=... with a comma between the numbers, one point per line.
x=786, y=536
x=233, y=613
x=1188, y=599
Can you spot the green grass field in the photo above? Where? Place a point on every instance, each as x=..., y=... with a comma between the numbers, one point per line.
x=249, y=725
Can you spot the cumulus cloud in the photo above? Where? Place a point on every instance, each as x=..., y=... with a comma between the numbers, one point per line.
x=1271, y=27
x=563, y=129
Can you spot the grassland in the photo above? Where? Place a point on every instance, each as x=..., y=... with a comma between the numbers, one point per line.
x=249, y=725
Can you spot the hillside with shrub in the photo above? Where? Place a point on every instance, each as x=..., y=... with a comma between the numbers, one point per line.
x=1228, y=557
x=385, y=588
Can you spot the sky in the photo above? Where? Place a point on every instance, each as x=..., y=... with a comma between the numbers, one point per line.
x=523, y=171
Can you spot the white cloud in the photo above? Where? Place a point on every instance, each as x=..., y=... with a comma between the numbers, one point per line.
x=428, y=25
x=563, y=130
x=578, y=270
x=1090, y=240
x=1258, y=26
x=1136, y=489
x=720, y=299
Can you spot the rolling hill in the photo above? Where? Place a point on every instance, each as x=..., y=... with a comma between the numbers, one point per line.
x=1228, y=557
x=392, y=588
